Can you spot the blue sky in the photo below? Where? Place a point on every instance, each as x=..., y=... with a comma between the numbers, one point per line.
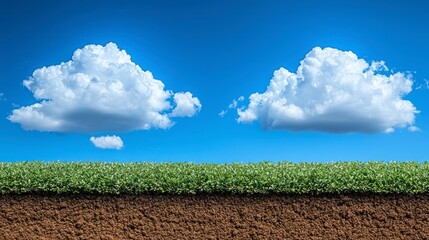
x=219, y=51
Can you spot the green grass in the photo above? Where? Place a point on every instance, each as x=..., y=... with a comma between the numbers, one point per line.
x=236, y=178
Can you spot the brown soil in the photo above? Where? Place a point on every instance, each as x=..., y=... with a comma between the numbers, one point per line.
x=214, y=217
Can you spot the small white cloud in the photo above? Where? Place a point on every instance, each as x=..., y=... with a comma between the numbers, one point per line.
x=100, y=90
x=333, y=91
x=414, y=129
x=232, y=105
x=107, y=142
x=186, y=105
x=222, y=113
x=424, y=85
x=389, y=130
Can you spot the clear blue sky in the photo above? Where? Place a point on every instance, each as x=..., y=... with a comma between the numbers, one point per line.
x=218, y=51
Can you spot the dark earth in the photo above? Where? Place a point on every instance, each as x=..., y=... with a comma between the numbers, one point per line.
x=351, y=216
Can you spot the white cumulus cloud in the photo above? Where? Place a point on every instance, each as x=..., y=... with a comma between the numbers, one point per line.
x=107, y=142
x=333, y=91
x=100, y=89
x=186, y=105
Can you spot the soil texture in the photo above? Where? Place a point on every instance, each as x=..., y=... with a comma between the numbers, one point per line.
x=351, y=216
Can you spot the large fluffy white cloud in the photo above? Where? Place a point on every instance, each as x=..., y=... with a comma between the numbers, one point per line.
x=107, y=142
x=100, y=89
x=333, y=91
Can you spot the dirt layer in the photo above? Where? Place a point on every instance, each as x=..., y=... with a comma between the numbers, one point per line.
x=214, y=217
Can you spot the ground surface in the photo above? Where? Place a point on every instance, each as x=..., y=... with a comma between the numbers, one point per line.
x=214, y=217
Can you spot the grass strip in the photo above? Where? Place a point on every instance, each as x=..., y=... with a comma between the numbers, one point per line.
x=236, y=178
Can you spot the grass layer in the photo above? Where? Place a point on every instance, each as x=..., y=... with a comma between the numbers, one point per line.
x=235, y=178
